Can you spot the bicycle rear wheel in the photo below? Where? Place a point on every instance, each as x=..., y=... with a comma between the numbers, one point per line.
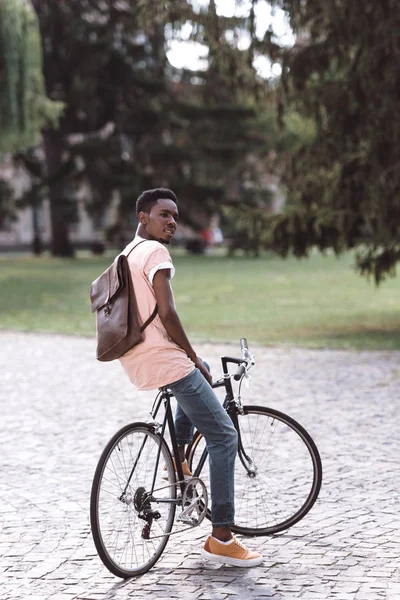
x=278, y=471
x=130, y=526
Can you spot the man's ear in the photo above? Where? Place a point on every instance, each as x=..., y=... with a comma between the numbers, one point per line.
x=143, y=217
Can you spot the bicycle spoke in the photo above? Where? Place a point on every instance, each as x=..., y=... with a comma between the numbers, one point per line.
x=117, y=505
x=277, y=472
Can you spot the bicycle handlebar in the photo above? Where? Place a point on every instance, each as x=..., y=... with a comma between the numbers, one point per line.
x=246, y=356
x=240, y=370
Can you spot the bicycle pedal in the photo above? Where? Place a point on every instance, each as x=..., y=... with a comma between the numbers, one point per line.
x=187, y=520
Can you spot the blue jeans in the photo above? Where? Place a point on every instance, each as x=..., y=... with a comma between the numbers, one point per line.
x=199, y=406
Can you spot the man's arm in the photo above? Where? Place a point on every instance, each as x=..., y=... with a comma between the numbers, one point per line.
x=170, y=320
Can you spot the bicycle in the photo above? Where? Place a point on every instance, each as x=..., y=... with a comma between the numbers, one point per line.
x=136, y=487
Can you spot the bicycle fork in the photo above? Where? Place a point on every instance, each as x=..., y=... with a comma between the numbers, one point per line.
x=245, y=459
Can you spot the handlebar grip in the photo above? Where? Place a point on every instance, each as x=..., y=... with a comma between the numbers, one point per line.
x=241, y=369
x=243, y=344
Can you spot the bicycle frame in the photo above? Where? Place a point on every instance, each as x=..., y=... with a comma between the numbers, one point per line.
x=232, y=408
x=164, y=396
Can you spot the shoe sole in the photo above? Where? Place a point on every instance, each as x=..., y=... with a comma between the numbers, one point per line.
x=234, y=562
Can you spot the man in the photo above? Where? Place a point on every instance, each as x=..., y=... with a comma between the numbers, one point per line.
x=166, y=358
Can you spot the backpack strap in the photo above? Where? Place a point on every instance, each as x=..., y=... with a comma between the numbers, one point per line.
x=135, y=246
x=150, y=319
x=155, y=311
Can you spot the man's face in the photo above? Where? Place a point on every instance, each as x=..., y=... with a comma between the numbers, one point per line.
x=160, y=223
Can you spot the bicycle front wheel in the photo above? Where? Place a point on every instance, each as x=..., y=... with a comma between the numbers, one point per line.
x=132, y=504
x=278, y=471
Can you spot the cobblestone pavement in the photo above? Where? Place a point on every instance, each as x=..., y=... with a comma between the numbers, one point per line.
x=59, y=407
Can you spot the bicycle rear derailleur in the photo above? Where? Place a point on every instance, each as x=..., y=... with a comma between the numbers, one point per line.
x=142, y=504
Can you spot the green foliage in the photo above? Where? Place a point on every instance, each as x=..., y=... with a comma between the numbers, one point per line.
x=192, y=131
x=247, y=221
x=132, y=121
x=215, y=129
x=109, y=73
x=344, y=183
x=24, y=106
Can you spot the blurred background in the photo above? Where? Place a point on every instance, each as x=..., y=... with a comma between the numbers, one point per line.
x=275, y=123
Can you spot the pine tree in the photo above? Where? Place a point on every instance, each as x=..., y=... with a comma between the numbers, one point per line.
x=133, y=122
x=344, y=184
x=216, y=133
x=101, y=64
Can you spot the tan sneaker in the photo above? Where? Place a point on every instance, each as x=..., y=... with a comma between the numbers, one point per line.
x=234, y=553
x=185, y=468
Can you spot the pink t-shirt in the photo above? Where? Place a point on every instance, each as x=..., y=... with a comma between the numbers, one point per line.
x=157, y=361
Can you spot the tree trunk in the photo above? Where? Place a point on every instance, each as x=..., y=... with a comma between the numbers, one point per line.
x=60, y=245
x=37, y=245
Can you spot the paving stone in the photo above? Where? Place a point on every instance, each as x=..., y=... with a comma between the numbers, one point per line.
x=60, y=407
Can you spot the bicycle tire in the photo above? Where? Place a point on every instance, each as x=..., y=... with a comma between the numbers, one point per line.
x=283, y=483
x=117, y=528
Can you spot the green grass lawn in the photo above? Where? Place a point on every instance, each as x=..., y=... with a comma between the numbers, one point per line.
x=318, y=302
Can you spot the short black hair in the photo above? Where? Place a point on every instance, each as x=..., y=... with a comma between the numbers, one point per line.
x=149, y=198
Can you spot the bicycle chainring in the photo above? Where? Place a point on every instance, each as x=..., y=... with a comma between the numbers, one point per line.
x=194, y=502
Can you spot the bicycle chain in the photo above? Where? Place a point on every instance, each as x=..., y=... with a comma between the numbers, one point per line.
x=188, y=483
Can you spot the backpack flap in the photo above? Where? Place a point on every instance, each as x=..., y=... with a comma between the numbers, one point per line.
x=112, y=297
x=108, y=285
x=109, y=296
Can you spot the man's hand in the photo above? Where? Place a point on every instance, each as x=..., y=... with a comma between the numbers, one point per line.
x=203, y=369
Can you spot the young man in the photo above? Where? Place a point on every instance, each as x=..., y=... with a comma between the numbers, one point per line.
x=166, y=358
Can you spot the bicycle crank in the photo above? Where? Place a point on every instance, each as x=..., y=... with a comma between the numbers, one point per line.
x=194, y=502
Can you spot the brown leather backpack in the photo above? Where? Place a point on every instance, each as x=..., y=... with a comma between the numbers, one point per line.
x=112, y=297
